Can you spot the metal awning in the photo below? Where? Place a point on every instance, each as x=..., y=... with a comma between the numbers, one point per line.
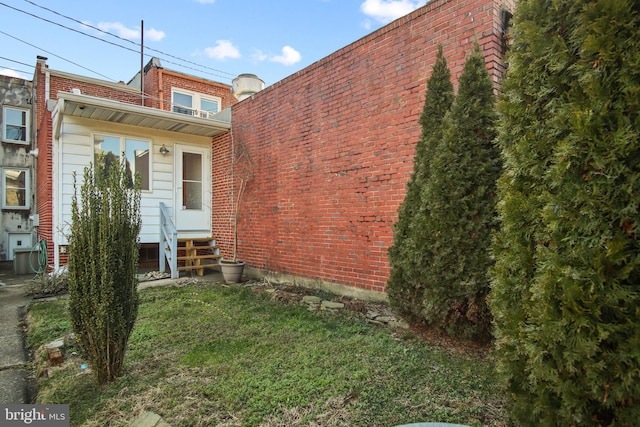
x=108, y=110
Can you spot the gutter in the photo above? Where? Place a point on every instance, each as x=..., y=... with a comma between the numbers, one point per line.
x=117, y=106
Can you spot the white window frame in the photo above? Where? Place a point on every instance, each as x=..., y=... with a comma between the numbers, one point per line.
x=5, y=123
x=197, y=99
x=123, y=140
x=27, y=189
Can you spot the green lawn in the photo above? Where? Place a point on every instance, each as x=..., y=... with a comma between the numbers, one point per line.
x=212, y=355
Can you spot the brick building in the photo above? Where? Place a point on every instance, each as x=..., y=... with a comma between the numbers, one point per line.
x=331, y=146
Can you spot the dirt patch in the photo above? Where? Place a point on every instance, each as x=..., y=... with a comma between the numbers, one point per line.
x=293, y=294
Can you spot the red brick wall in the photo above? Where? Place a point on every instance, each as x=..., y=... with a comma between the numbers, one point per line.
x=158, y=83
x=62, y=84
x=44, y=172
x=221, y=194
x=333, y=145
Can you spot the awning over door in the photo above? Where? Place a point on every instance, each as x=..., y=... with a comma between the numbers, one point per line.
x=93, y=107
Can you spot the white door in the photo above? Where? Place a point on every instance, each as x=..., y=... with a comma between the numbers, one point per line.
x=193, y=190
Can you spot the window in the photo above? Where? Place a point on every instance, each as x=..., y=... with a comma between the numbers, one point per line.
x=182, y=103
x=15, y=125
x=136, y=154
x=192, y=181
x=15, y=183
x=209, y=105
x=194, y=104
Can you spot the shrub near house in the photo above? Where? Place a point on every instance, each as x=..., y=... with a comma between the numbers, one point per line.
x=102, y=265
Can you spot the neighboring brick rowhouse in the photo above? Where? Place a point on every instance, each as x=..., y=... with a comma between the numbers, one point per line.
x=332, y=146
x=158, y=83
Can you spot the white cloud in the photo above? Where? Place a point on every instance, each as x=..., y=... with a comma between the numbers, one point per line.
x=154, y=35
x=206, y=1
x=385, y=11
x=11, y=73
x=289, y=56
x=223, y=49
x=120, y=30
x=259, y=55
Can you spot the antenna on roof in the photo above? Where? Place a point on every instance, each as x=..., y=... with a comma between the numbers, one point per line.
x=142, y=62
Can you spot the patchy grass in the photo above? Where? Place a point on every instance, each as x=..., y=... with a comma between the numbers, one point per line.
x=204, y=355
x=47, y=321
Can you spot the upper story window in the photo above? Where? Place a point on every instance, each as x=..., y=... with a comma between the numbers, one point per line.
x=136, y=155
x=194, y=104
x=15, y=125
x=15, y=185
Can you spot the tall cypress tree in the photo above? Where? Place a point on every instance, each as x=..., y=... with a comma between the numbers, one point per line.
x=455, y=233
x=405, y=283
x=566, y=284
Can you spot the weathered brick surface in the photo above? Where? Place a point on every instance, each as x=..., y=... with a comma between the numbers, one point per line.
x=332, y=146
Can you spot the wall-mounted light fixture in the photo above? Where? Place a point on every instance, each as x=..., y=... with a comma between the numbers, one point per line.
x=164, y=150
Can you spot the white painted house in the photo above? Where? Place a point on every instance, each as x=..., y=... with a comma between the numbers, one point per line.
x=168, y=144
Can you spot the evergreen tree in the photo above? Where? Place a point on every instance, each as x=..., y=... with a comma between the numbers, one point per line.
x=405, y=282
x=102, y=264
x=455, y=232
x=566, y=283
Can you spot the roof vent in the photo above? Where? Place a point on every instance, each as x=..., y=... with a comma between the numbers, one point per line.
x=246, y=85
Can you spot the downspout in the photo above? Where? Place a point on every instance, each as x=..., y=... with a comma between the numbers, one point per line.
x=57, y=113
x=47, y=86
x=160, y=89
x=234, y=213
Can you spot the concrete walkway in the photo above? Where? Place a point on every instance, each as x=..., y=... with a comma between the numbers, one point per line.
x=13, y=368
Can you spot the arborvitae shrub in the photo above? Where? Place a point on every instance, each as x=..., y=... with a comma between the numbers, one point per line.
x=440, y=256
x=455, y=233
x=407, y=264
x=103, y=257
x=566, y=283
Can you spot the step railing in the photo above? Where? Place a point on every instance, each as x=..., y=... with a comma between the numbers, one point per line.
x=168, y=243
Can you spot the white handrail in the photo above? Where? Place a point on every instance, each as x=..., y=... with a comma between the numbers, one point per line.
x=168, y=242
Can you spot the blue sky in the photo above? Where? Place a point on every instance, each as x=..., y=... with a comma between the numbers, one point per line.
x=214, y=39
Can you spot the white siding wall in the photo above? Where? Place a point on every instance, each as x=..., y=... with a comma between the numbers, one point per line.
x=75, y=152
